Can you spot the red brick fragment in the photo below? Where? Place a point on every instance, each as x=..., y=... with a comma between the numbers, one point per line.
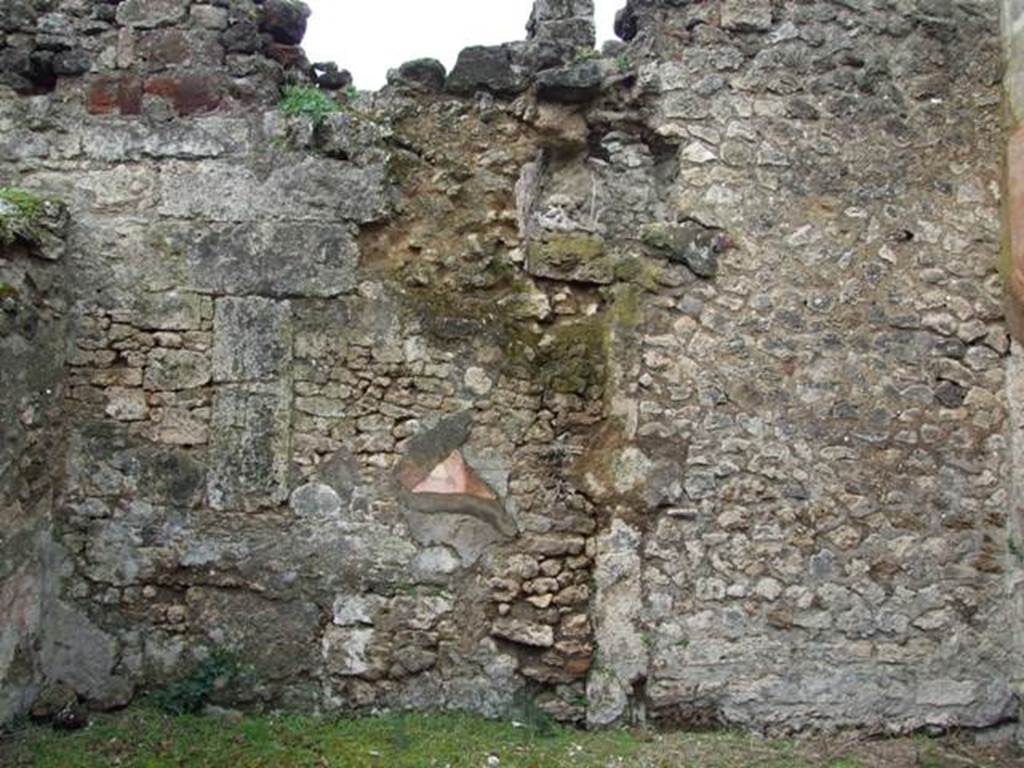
x=188, y=93
x=114, y=93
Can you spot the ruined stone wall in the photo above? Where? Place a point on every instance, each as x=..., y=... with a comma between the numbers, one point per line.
x=32, y=339
x=1012, y=265
x=668, y=382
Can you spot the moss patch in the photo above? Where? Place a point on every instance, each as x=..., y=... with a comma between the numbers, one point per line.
x=569, y=357
x=572, y=257
x=21, y=215
x=572, y=357
x=8, y=291
x=449, y=315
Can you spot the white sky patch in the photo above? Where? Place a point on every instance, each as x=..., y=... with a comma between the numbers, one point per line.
x=370, y=38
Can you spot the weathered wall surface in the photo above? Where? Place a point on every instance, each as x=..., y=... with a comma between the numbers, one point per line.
x=837, y=549
x=1012, y=264
x=668, y=383
x=32, y=340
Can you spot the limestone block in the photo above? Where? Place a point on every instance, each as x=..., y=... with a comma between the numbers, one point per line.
x=209, y=16
x=355, y=610
x=250, y=446
x=573, y=257
x=435, y=564
x=174, y=369
x=523, y=632
x=274, y=259
x=252, y=339
x=310, y=188
x=346, y=650
x=747, y=15
x=126, y=404
x=167, y=311
x=180, y=427
x=151, y=13
x=616, y=614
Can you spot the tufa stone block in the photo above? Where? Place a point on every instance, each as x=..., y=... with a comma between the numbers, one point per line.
x=252, y=339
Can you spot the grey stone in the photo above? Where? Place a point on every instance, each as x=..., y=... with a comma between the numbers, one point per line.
x=252, y=339
x=173, y=369
x=523, y=632
x=309, y=189
x=435, y=563
x=169, y=311
x=224, y=715
x=315, y=500
x=251, y=259
x=357, y=610
x=341, y=474
x=747, y=15
x=76, y=652
x=691, y=244
x=420, y=74
x=151, y=13
x=485, y=68
x=71, y=63
x=617, y=613
x=573, y=84
x=347, y=651
x=250, y=446
x=803, y=514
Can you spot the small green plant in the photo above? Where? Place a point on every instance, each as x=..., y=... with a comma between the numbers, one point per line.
x=191, y=694
x=20, y=214
x=351, y=94
x=308, y=101
x=622, y=62
x=7, y=291
x=585, y=53
x=537, y=722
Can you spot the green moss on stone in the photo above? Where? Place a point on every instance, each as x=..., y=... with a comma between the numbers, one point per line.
x=639, y=271
x=449, y=314
x=658, y=236
x=570, y=357
x=573, y=357
x=571, y=256
x=21, y=214
x=574, y=248
x=627, y=307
